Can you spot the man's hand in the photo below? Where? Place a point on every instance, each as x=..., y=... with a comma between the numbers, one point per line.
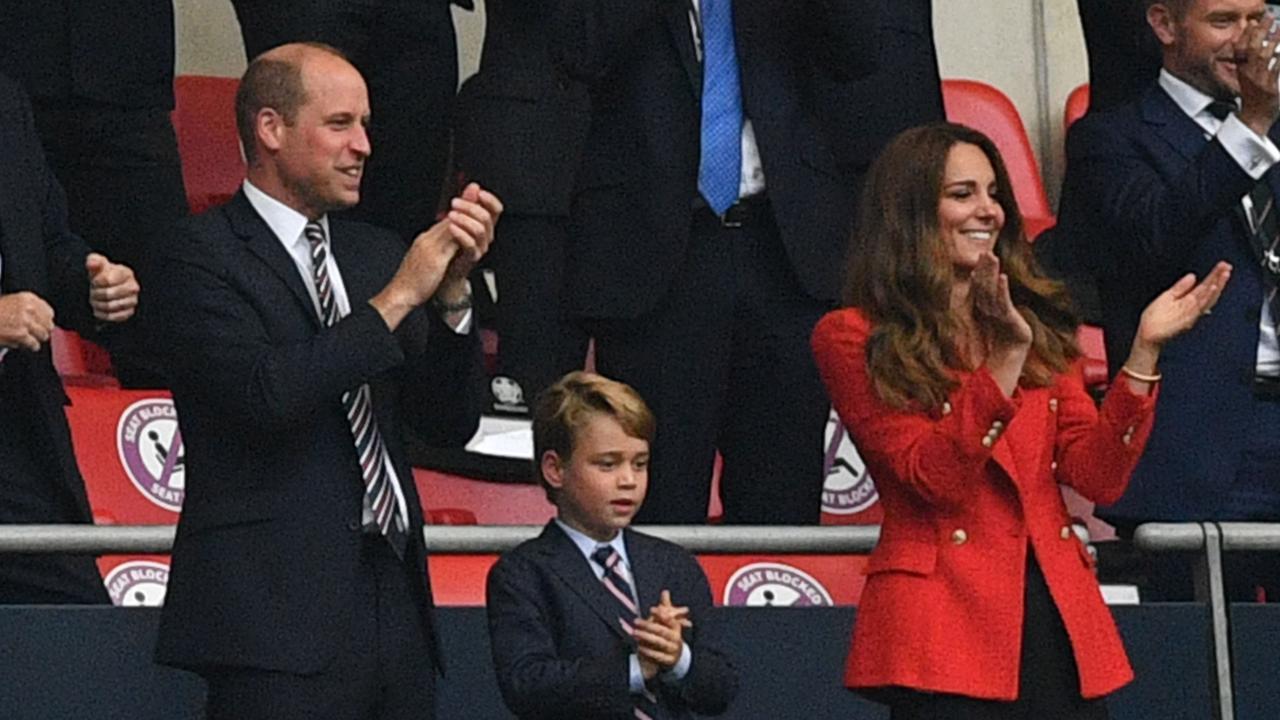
x=113, y=291
x=26, y=321
x=1259, y=75
x=442, y=257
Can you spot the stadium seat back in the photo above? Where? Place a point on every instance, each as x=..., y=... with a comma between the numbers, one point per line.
x=1077, y=106
x=205, y=122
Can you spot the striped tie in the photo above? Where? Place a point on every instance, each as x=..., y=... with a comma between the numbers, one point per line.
x=380, y=495
x=617, y=582
x=1265, y=238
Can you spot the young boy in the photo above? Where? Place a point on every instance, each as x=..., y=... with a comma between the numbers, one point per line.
x=581, y=618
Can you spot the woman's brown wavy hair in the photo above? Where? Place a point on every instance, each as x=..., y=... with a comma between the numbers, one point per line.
x=900, y=275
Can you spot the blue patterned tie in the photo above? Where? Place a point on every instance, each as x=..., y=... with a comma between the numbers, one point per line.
x=720, y=167
x=380, y=493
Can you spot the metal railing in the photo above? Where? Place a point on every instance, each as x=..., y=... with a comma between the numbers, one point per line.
x=463, y=539
x=1210, y=540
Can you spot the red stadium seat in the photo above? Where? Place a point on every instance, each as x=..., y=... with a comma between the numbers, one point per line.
x=205, y=122
x=79, y=361
x=1077, y=106
x=986, y=109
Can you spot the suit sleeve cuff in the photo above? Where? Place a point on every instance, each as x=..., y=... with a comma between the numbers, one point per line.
x=1255, y=154
x=637, y=678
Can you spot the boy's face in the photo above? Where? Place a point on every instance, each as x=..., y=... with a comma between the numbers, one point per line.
x=601, y=485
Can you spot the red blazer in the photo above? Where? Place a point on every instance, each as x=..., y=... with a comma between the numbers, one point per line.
x=964, y=490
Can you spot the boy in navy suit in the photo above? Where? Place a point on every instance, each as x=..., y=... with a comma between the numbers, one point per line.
x=582, y=618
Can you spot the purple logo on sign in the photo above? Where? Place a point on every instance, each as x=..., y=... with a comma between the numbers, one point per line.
x=139, y=583
x=848, y=489
x=774, y=584
x=150, y=447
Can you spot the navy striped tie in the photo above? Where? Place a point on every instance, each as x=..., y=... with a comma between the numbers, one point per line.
x=617, y=582
x=380, y=493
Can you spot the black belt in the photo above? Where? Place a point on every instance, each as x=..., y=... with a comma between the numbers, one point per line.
x=1266, y=388
x=746, y=212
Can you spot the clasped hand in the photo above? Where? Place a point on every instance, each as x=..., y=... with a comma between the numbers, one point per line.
x=660, y=637
x=27, y=320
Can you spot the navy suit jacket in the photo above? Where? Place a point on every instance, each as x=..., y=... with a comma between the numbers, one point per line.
x=1147, y=199
x=519, y=123
x=557, y=646
x=42, y=256
x=633, y=204
x=269, y=539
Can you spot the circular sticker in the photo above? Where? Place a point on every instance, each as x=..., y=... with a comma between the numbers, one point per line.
x=138, y=583
x=150, y=447
x=848, y=489
x=768, y=584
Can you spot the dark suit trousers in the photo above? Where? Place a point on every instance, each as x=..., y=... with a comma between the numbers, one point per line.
x=408, y=55
x=123, y=179
x=724, y=363
x=384, y=671
x=537, y=343
x=32, y=491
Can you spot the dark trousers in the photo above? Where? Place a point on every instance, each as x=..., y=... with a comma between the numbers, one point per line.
x=724, y=362
x=32, y=490
x=1048, y=684
x=407, y=53
x=537, y=342
x=384, y=671
x=1254, y=497
x=120, y=169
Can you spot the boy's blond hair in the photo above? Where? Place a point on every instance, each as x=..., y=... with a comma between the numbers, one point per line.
x=563, y=409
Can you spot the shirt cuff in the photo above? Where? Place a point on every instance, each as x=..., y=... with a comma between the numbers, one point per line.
x=1255, y=154
x=464, y=325
x=681, y=668
x=637, y=677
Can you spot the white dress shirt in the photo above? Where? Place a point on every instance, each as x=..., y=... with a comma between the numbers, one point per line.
x=1255, y=154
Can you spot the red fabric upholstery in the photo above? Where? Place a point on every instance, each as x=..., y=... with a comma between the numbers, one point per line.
x=81, y=362
x=205, y=122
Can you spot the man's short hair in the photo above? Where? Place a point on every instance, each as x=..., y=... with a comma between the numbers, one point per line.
x=1177, y=7
x=273, y=80
x=566, y=407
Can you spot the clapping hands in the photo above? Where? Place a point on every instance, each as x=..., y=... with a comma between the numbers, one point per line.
x=660, y=637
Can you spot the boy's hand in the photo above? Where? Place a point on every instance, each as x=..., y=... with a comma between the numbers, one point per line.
x=659, y=638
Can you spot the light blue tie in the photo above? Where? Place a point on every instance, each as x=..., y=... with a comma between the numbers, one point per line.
x=720, y=166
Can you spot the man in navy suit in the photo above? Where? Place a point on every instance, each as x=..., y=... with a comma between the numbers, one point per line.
x=300, y=346
x=708, y=227
x=44, y=269
x=1172, y=183
x=582, y=620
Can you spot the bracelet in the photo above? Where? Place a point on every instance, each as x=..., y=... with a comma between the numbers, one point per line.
x=452, y=307
x=1140, y=377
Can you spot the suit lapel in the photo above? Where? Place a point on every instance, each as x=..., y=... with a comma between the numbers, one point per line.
x=568, y=564
x=250, y=227
x=679, y=17
x=1168, y=122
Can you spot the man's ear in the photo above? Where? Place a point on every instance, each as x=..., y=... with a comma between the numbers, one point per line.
x=552, y=469
x=269, y=128
x=1162, y=21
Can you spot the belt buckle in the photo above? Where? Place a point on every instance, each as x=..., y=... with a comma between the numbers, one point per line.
x=732, y=217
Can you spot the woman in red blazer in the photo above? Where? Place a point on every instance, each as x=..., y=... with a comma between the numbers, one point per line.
x=954, y=368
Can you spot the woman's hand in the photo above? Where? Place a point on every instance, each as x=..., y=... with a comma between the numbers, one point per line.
x=1177, y=309
x=1172, y=313
x=1002, y=326
x=1005, y=333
